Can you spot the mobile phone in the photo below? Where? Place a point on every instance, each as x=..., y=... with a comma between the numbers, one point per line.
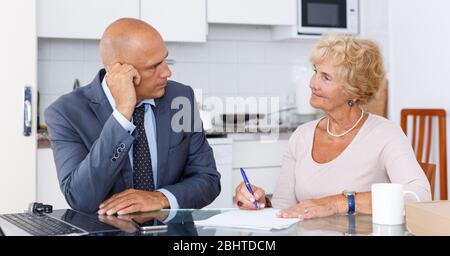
x=152, y=225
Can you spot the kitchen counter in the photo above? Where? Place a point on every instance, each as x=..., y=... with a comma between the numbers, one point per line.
x=42, y=137
x=244, y=132
x=284, y=133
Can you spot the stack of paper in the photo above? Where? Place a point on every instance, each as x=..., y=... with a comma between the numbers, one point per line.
x=265, y=219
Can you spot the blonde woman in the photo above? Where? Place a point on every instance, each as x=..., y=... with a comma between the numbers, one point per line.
x=332, y=162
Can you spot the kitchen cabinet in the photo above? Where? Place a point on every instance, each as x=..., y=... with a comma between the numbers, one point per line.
x=261, y=161
x=254, y=12
x=18, y=50
x=84, y=19
x=222, y=149
x=48, y=190
x=177, y=20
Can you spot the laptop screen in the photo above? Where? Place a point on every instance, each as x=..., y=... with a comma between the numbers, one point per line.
x=87, y=222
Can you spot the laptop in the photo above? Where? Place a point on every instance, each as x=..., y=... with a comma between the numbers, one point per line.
x=65, y=222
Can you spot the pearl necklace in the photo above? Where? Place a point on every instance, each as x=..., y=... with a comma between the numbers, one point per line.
x=346, y=132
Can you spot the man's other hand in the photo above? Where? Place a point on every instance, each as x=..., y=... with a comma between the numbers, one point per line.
x=132, y=200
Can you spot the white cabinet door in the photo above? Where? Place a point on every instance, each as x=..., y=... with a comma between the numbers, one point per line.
x=81, y=18
x=225, y=198
x=48, y=190
x=18, y=50
x=261, y=161
x=222, y=149
x=255, y=153
x=177, y=20
x=257, y=12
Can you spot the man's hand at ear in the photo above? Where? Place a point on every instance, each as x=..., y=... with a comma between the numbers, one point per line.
x=121, y=80
x=132, y=200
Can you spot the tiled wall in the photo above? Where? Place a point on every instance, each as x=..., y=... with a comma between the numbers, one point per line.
x=60, y=62
x=236, y=61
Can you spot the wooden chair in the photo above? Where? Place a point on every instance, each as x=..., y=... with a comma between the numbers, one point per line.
x=420, y=117
x=430, y=172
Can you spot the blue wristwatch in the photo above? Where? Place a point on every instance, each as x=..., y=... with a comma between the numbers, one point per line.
x=350, y=195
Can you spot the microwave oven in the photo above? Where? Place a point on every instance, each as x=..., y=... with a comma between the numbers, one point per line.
x=316, y=17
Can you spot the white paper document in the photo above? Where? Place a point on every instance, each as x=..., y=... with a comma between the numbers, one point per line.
x=265, y=219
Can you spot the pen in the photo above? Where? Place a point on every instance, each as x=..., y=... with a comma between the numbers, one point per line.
x=249, y=187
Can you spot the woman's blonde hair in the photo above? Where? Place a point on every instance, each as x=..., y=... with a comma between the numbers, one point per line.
x=359, y=63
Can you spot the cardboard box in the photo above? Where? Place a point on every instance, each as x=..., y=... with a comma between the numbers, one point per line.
x=428, y=218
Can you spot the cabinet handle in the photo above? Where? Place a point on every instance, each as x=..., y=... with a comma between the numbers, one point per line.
x=27, y=113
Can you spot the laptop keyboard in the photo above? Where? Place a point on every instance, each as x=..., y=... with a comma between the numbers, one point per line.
x=41, y=225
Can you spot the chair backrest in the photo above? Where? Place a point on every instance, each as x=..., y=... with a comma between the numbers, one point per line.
x=418, y=137
x=430, y=172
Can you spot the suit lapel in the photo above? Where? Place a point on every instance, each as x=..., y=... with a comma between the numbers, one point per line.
x=99, y=103
x=162, y=117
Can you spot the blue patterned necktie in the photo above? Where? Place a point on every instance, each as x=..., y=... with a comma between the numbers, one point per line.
x=142, y=163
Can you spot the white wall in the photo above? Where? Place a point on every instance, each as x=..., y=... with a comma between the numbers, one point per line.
x=375, y=24
x=419, y=57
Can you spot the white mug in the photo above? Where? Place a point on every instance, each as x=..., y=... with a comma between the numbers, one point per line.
x=388, y=203
x=388, y=230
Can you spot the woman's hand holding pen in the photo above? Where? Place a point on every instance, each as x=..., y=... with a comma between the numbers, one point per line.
x=244, y=199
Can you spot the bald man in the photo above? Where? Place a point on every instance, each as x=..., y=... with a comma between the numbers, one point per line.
x=115, y=149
